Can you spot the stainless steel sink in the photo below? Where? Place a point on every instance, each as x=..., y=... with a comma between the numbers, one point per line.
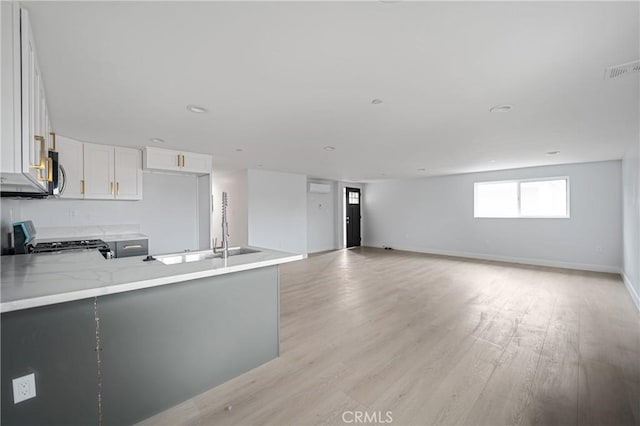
x=235, y=251
x=197, y=256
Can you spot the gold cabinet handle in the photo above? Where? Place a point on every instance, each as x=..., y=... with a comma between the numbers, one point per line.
x=82, y=186
x=178, y=160
x=49, y=177
x=132, y=246
x=183, y=161
x=42, y=156
x=111, y=188
x=118, y=188
x=53, y=137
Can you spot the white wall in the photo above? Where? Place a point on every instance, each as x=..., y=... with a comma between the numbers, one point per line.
x=167, y=214
x=235, y=184
x=631, y=221
x=277, y=210
x=321, y=218
x=436, y=215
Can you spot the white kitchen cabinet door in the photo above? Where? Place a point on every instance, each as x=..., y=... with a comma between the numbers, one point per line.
x=46, y=131
x=128, y=173
x=99, y=182
x=162, y=159
x=70, y=156
x=196, y=163
x=31, y=92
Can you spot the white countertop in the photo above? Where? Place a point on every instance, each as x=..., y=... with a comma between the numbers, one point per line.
x=32, y=280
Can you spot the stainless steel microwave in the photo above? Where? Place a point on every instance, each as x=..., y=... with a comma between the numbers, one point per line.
x=55, y=182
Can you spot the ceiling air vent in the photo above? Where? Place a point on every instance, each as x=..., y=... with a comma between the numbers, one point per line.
x=618, y=70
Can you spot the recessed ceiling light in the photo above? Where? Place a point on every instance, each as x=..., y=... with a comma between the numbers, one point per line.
x=492, y=161
x=239, y=149
x=157, y=140
x=329, y=148
x=552, y=152
x=501, y=108
x=197, y=109
x=376, y=101
x=422, y=169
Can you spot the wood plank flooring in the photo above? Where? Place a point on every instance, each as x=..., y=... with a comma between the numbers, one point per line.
x=438, y=340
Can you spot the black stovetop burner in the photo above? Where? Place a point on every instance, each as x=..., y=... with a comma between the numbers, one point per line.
x=69, y=245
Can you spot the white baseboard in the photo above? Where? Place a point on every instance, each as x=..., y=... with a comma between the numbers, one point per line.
x=509, y=259
x=631, y=289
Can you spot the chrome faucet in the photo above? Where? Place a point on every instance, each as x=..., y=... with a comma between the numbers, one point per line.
x=225, y=230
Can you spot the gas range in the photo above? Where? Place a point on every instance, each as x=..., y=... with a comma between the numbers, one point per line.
x=68, y=245
x=60, y=246
x=26, y=241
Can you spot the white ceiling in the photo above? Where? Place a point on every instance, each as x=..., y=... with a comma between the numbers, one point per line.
x=283, y=80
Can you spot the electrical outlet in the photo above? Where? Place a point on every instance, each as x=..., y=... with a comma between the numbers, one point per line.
x=24, y=388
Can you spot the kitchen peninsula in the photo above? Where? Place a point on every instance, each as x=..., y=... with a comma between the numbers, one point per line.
x=138, y=336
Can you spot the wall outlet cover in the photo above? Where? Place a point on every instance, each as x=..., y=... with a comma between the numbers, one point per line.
x=24, y=388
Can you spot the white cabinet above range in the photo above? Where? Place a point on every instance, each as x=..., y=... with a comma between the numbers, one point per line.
x=177, y=161
x=100, y=172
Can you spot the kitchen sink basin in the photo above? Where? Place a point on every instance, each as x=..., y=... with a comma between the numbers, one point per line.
x=172, y=259
x=240, y=250
x=197, y=256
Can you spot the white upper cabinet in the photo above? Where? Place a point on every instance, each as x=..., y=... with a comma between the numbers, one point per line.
x=177, y=161
x=99, y=172
x=162, y=159
x=112, y=172
x=71, y=158
x=128, y=173
x=26, y=129
x=196, y=163
x=36, y=128
x=33, y=140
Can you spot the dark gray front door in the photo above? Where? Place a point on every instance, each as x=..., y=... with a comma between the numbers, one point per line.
x=353, y=216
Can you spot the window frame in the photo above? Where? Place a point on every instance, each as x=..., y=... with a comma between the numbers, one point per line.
x=519, y=182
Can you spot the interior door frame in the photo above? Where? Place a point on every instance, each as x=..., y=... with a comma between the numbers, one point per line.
x=347, y=219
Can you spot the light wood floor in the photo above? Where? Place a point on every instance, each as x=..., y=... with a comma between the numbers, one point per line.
x=438, y=340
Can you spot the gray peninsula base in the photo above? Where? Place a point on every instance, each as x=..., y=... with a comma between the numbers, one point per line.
x=160, y=346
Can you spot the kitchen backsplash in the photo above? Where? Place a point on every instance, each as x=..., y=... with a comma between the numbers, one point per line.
x=167, y=214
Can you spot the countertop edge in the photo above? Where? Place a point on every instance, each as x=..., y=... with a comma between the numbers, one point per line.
x=35, y=302
x=107, y=238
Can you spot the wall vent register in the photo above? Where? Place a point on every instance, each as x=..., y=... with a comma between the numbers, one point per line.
x=620, y=70
x=527, y=198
